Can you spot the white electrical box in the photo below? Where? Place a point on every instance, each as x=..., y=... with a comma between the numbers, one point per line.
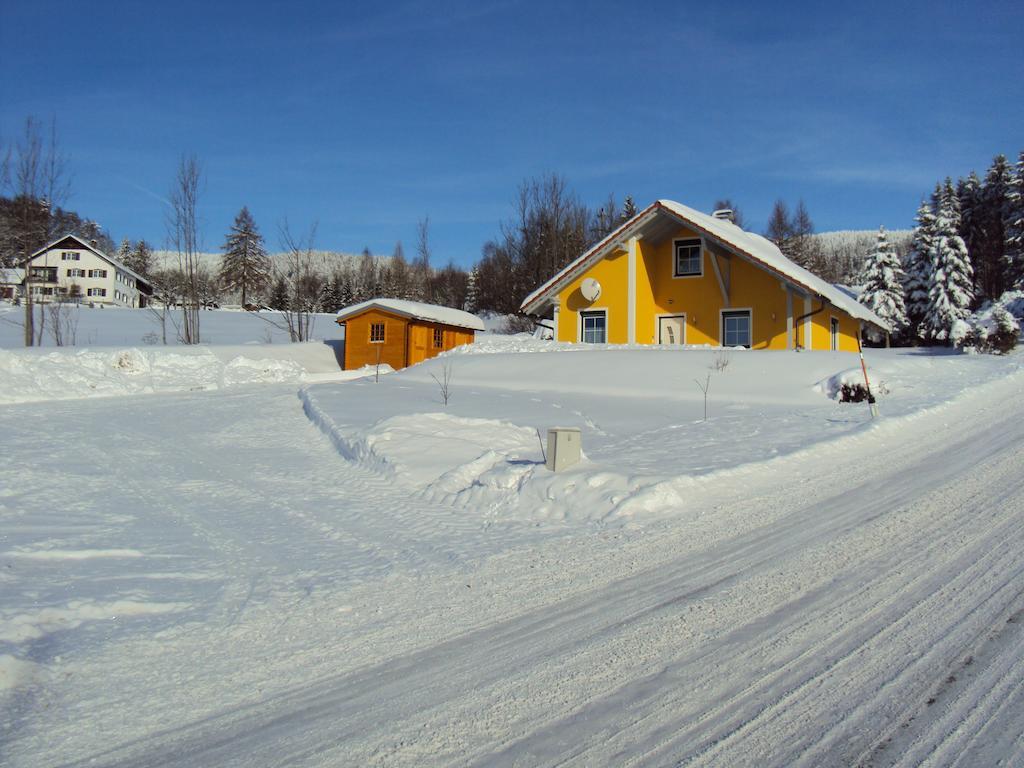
x=563, y=448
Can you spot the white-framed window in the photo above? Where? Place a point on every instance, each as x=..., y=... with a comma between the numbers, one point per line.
x=687, y=257
x=70, y=256
x=833, y=332
x=736, y=328
x=42, y=290
x=97, y=273
x=376, y=333
x=594, y=326
x=76, y=272
x=438, y=338
x=97, y=292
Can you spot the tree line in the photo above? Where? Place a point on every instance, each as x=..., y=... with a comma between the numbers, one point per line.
x=965, y=266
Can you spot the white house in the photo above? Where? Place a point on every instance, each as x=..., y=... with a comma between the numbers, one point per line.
x=70, y=268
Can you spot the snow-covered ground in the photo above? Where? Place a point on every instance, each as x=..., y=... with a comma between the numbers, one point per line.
x=356, y=574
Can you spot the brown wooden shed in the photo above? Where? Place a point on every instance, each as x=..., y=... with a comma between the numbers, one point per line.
x=402, y=333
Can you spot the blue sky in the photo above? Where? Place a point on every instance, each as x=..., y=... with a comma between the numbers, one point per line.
x=367, y=117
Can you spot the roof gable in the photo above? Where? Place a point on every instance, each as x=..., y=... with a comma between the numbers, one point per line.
x=74, y=241
x=752, y=247
x=416, y=310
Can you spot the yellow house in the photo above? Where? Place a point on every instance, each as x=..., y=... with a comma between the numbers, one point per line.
x=673, y=275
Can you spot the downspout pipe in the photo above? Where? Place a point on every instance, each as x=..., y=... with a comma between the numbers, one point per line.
x=805, y=315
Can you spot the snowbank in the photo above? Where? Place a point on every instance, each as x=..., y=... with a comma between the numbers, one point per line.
x=31, y=375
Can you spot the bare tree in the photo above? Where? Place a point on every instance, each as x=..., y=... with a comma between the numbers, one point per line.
x=36, y=173
x=166, y=295
x=183, y=232
x=302, y=285
x=421, y=272
x=63, y=323
x=444, y=382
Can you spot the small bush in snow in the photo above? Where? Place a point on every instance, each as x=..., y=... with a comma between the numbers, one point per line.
x=993, y=329
x=517, y=324
x=853, y=393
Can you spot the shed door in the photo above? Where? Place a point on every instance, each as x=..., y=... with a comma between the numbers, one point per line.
x=671, y=329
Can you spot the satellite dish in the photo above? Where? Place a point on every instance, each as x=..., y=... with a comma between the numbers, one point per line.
x=591, y=289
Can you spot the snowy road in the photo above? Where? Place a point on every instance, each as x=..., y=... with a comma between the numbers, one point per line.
x=864, y=607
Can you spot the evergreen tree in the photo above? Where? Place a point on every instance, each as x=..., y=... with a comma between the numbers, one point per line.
x=330, y=298
x=883, y=284
x=994, y=196
x=124, y=251
x=140, y=260
x=1014, y=227
x=968, y=192
x=629, y=209
x=279, y=296
x=473, y=290
x=918, y=268
x=950, y=290
x=246, y=266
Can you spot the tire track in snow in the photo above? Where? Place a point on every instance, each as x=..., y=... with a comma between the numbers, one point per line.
x=340, y=710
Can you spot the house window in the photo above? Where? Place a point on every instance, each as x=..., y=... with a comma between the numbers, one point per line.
x=97, y=292
x=594, y=327
x=97, y=273
x=376, y=333
x=438, y=338
x=75, y=272
x=736, y=328
x=46, y=274
x=833, y=328
x=688, y=262
x=70, y=256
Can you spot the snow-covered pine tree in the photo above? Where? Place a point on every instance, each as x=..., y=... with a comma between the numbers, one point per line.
x=950, y=291
x=1013, y=220
x=918, y=269
x=330, y=296
x=124, y=251
x=473, y=290
x=140, y=259
x=883, y=279
x=246, y=266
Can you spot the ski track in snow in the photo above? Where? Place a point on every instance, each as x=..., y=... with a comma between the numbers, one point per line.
x=872, y=616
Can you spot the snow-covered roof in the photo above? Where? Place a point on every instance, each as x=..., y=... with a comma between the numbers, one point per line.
x=753, y=247
x=89, y=247
x=418, y=310
x=11, y=275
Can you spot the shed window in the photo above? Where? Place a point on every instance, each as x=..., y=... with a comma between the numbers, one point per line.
x=376, y=333
x=687, y=258
x=594, y=327
x=438, y=338
x=736, y=329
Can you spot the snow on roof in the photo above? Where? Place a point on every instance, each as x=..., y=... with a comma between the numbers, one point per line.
x=11, y=275
x=114, y=262
x=418, y=310
x=755, y=247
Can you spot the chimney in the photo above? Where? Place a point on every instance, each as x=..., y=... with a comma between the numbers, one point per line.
x=725, y=214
